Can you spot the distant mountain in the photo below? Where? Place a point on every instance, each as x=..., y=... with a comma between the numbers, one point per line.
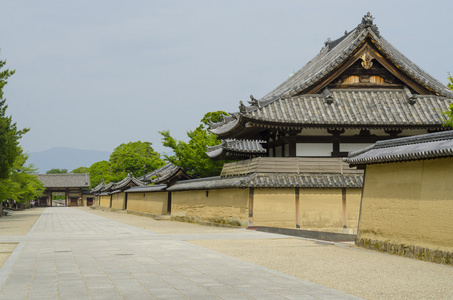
x=65, y=158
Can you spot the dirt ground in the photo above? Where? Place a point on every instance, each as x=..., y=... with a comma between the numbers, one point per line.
x=17, y=224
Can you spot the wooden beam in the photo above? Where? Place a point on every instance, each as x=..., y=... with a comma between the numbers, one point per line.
x=251, y=198
x=297, y=208
x=343, y=202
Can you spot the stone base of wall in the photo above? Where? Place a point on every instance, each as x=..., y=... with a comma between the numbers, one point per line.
x=149, y=215
x=219, y=222
x=437, y=256
x=318, y=235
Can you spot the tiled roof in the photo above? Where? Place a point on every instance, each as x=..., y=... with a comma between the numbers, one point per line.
x=108, y=187
x=368, y=108
x=356, y=107
x=288, y=165
x=147, y=188
x=433, y=145
x=335, y=52
x=65, y=180
x=378, y=107
x=269, y=180
x=99, y=187
x=116, y=187
x=129, y=179
x=164, y=174
x=230, y=148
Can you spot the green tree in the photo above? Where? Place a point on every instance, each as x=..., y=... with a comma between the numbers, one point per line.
x=21, y=184
x=450, y=84
x=99, y=171
x=192, y=155
x=80, y=170
x=135, y=158
x=448, y=122
x=57, y=171
x=9, y=134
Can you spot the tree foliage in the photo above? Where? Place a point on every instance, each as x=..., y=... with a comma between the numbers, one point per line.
x=134, y=158
x=9, y=134
x=80, y=170
x=17, y=181
x=450, y=84
x=448, y=122
x=21, y=184
x=192, y=155
x=99, y=171
x=57, y=171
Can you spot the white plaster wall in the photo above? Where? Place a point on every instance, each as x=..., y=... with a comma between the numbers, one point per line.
x=313, y=149
x=347, y=147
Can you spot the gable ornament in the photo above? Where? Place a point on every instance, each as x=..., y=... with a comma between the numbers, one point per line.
x=366, y=60
x=367, y=22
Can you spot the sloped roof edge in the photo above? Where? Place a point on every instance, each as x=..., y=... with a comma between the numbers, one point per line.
x=427, y=146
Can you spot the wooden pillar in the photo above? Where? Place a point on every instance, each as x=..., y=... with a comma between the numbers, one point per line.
x=251, y=198
x=66, y=195
x=169, y=204
x=292, y=146
x=297, y=208
x=343, y=201
x=49, y=199
x=336, y=140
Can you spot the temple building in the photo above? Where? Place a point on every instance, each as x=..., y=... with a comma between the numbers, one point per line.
x=74, y=188
x=286, y=149
x=358, y=90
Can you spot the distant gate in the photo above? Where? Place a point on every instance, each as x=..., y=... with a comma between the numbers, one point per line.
x=72, y=185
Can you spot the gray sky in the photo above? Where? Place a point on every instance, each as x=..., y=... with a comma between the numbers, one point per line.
x=95, y=74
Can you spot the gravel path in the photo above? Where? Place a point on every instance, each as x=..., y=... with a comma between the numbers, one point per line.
x=18, y=224
x=344, y=267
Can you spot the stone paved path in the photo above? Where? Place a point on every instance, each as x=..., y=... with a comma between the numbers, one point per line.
x=72, y=254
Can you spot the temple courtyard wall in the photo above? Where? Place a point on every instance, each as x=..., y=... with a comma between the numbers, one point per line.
x=313, y=209
x=104, y=201
x=321, y=209
x=317, y=209
x=407, y=207
x=119, y=200
x=215, y=205
x=154, y=203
